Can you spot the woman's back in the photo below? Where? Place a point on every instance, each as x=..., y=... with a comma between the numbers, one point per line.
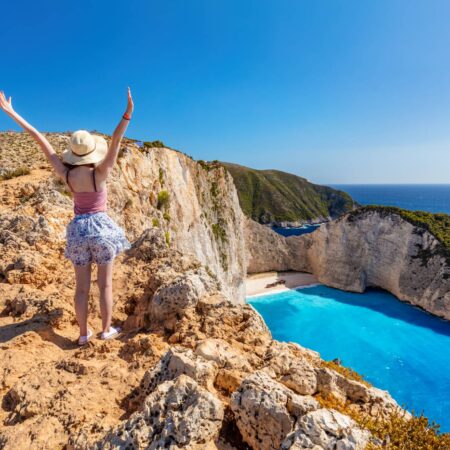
x=89, y=193
x=85, y=179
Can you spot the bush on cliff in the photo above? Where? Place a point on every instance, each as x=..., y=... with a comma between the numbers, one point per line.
x=154, y=144
x=163, y=199
x=395, y=431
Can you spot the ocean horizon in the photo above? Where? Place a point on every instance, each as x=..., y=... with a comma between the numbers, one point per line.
x=434, y=198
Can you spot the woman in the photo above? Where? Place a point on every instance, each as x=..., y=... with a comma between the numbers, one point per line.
x=92, y=236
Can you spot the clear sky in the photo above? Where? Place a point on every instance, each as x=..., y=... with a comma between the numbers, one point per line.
x=336, y=91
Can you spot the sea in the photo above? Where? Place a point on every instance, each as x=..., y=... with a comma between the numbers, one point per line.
x=395, y=346
x=434, y=198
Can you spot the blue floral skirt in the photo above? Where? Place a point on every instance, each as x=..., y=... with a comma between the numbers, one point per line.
x=94, y=238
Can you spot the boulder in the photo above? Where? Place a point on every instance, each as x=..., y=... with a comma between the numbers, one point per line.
x=175, y=362
x=293, y=371
x=178, y=414
x=326, y=429
x=266, y=411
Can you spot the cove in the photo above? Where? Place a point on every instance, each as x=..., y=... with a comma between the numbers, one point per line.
x=394, y=345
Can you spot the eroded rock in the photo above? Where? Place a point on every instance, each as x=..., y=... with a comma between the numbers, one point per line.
x=178, y=414
x=266, y=411
x=326, y=429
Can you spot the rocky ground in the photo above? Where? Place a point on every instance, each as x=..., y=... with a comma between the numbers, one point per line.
x=192, y=370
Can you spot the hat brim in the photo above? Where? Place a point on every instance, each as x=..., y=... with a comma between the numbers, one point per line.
x=101, y=148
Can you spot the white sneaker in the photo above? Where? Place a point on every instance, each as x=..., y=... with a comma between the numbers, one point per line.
x=112, y=333
x=83, y=340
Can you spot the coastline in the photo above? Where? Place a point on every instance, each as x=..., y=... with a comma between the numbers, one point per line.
x=256, y=284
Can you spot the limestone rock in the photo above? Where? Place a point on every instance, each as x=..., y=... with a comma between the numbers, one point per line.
x=183, y=292
x=219, y=319
x=363, y=249
x=202, y=216
x=371, y=399
x=150, y=245
x=294, y=372
x=266, y=411
x=223, y=354
x=178, y=414
x=178, y=361
x=326, y=429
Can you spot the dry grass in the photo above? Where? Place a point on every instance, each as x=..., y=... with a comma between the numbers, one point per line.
x=8, y=175
x=395, y=431
x=346, y=371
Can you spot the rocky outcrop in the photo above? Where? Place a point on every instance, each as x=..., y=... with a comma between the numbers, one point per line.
x=324, y=429
x=363, y=249
x=196, y=206
x=271, y=417
x=178, y=414
x=201, y=215
x=266, y=411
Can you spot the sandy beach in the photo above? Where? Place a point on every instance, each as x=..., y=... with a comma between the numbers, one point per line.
x=257, y=284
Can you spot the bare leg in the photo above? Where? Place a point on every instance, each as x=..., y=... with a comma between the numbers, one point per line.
x=83, y=279
x=104, y=281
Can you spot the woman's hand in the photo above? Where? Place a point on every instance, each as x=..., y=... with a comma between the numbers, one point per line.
x=130, y=105
x=46, y=147
x=6, y=105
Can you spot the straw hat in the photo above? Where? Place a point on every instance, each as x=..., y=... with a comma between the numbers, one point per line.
x=85, y=148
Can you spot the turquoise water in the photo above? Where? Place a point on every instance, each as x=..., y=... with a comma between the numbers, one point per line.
x=394, y=345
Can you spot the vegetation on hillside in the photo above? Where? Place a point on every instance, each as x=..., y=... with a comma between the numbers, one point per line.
x=395, y=431
x=436, y=224
x=154, y=144
x=9, y=174
x=163, y=199
x=274, y=196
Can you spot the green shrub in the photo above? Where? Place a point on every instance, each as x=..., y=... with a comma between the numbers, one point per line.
x=155, y=222
x=166, y=216
x=209, y=165
x=214, y=189
x=219, y=232
x=163, y=199
x=167, y=236
x=154, y=144
x=15, y=173
x=161, y=177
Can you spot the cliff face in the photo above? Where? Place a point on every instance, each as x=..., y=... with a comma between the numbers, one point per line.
x=360, y=250
x=201, y=216
x=195, y=205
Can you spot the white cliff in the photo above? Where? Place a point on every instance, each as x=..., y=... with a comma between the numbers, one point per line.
x=370, y=248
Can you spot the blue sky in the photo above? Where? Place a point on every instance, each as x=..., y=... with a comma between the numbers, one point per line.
x=335, y=91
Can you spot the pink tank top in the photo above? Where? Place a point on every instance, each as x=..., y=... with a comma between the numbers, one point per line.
x=88, y=202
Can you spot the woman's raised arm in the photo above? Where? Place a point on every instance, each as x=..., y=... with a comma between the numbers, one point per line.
x=58, y=166
x=110, y=159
